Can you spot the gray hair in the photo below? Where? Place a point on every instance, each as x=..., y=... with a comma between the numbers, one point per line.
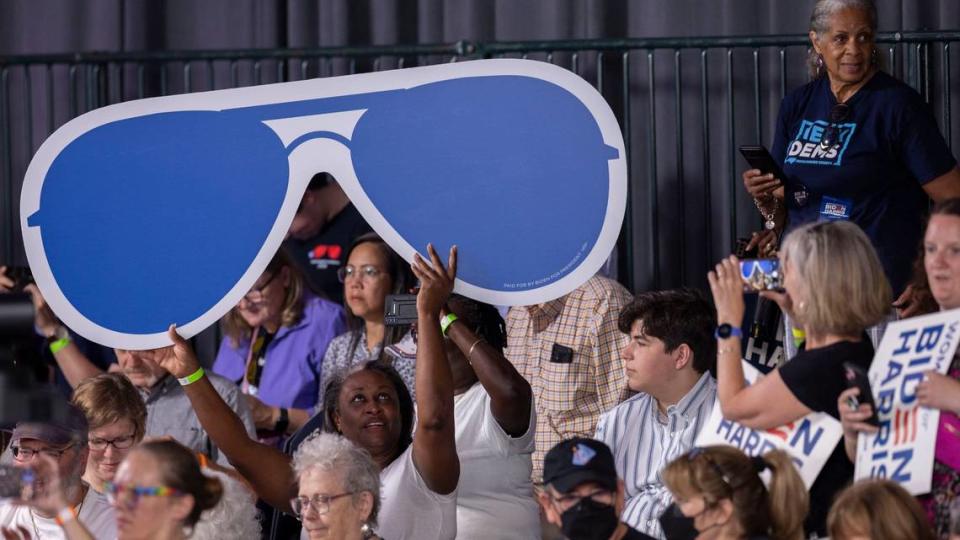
x=335, y=454
x=843, y=287
x=823, y=12
x=235, y=516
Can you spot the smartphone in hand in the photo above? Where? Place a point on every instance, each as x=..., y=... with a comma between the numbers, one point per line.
x=856, y=377
x=759, y=158
x=761, y=275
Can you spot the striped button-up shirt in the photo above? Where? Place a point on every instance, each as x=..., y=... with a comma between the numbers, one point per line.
x=644, y=441
x=586, y=375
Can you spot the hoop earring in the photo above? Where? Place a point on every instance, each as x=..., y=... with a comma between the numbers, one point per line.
x=819, y=64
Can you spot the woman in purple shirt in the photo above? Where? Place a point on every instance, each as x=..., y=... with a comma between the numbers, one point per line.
x=289, y=329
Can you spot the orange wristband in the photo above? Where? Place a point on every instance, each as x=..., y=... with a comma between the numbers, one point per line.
x=66, y=515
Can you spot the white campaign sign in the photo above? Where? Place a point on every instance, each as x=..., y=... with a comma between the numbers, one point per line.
x=809, y=440
x=903, y=449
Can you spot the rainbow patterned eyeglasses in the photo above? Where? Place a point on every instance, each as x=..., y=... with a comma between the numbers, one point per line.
x=128, y=495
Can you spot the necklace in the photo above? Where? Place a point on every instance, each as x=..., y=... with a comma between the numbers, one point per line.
x=770, y=217
x=36, y=531
x=33, y=519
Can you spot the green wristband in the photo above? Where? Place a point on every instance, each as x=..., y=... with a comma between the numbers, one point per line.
x=191, y=378
x=58, y=345
x=446, y=321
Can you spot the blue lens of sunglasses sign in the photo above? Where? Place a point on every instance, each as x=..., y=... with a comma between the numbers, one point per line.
x=167, y=210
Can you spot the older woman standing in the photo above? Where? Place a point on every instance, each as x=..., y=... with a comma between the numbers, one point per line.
x=856, y=144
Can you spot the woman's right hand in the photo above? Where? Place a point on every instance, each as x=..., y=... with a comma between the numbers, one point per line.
x=854, y=421
x=179, y=359
x=760, y=185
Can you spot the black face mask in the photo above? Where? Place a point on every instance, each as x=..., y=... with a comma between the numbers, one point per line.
x=589, y=520
x=677, y=526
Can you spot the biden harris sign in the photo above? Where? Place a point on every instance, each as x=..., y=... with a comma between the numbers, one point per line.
x=808, y=441
x=166, y=210
x=903, y=447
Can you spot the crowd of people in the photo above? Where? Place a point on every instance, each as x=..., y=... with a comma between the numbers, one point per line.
x=576, y=418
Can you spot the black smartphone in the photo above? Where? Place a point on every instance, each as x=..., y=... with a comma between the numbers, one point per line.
x=761, y=275
x=759, y=158
x=400, y=309
x=856, y=377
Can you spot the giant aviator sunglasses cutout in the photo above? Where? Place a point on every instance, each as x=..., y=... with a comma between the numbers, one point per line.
x=167, y=210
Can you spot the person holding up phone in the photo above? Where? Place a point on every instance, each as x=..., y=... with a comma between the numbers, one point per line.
x=856, y=144
x=834, y=290
x=939, y=275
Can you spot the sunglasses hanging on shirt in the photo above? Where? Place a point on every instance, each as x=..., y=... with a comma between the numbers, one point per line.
x=831, y=136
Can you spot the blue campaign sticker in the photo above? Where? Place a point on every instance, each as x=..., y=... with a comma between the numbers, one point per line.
x=582, y=454
x=832, y=209
x=166, y=210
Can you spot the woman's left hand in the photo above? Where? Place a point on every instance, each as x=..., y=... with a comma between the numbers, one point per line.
x=436, y=281
x=939, y=392
x=727, y=289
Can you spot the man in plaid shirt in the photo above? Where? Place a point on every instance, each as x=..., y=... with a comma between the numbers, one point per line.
x=569, y=351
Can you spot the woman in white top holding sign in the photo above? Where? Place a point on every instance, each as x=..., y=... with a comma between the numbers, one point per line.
x=835, y=288
x=938, y=274
x=374, y=410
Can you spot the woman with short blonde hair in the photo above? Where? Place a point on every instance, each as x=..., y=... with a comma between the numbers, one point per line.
x=117, y=419
x=834, y=288
x=844, y=289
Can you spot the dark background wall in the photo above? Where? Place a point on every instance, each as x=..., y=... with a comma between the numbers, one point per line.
x=48, y=26
x=699, y=207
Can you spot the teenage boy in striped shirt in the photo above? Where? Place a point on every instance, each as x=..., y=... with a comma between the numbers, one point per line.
x=670, y=353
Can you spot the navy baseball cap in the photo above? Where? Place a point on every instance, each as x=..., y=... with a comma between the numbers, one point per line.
x=72, y=428
x=575, y=461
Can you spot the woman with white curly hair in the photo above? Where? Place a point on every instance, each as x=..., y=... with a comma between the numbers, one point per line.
x=235, y=516
x=339, y=489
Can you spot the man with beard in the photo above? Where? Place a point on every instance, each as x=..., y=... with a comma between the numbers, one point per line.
x=169, y=412
x=66, y=443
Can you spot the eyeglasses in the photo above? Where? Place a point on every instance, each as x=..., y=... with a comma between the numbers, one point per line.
x=26, y=454
x=255, y=296
x=320, y=503
x=838, y=114
x=367, y=272
x=120, y=443
x=129, y=495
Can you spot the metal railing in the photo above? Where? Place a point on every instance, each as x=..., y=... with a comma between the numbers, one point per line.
x=684, y=104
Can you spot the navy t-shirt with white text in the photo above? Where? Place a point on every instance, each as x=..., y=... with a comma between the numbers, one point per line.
x=887, y=147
